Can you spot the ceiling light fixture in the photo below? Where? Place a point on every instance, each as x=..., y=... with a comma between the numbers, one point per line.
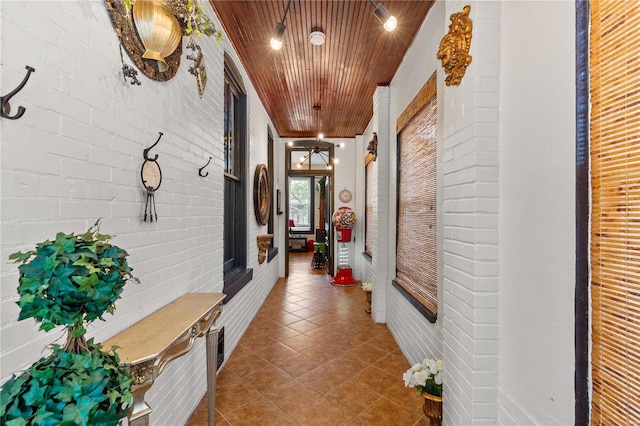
x=317, y=38
x=278, y=34
x=389, y=22
x=320, y=153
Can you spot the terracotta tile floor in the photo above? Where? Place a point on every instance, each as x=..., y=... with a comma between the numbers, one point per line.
x=313, y=356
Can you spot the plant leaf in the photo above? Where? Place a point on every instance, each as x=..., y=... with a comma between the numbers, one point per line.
x=35, y=395
x=65, y=243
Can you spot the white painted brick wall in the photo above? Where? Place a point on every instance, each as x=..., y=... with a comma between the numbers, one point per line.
x=471, y=272
x=382, y=205
x=76, y=156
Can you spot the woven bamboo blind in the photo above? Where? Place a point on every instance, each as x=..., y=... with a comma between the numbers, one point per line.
x=416, y=269
x=370, y=196
x=615, y=215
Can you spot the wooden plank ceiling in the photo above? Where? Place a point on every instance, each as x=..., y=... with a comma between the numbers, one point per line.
x=339, y=76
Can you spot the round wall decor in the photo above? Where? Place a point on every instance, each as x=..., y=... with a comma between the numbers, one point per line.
x=345, y=195
x=126, y=31
x=261, y=194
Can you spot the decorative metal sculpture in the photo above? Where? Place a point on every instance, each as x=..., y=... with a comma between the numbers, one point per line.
x=6, y=108
x=454, y=47
x=151, y=176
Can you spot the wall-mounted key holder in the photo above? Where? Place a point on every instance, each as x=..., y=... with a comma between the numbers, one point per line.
x=151, y=177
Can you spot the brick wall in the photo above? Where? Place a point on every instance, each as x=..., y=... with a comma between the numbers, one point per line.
x=471, y=190
x=76, y=156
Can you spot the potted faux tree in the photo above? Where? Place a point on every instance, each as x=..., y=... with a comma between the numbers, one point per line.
x=70, y=282
x=427, y=377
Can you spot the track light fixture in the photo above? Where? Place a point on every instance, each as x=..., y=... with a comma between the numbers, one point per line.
x=389, y=22
x=278, y=34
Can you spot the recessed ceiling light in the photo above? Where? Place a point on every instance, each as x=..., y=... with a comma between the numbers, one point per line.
x=317, y=38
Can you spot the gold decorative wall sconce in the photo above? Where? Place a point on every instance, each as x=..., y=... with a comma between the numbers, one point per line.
x=264, y=241
x=158, y=29
x=454, y=47
x=151, y=32
x=125, y=28
x=372, y=149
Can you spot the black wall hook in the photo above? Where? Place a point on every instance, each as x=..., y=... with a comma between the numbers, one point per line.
x=6, y=108
x=202, y=168
x=146, y=151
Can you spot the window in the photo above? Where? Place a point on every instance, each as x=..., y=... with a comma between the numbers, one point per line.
x=615, y=210
x=301, y=210
x=235, y=223
x=416, y=256
x=311, y=158
x=271, y=251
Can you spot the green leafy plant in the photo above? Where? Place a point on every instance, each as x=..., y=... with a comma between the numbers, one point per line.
x=70, y=281
x=68, y=388
x=193, y=19
x=321, y=185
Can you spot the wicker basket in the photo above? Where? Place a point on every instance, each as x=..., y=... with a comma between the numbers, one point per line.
x=432, y=408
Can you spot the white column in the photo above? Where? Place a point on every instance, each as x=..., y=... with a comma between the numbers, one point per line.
x=470, y=228
x=381, y=125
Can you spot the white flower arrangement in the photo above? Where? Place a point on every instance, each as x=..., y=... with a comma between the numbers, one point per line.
x=367, y=287
x=425, y=377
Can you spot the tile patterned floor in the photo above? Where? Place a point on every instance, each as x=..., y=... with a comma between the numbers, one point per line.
x=313, y=356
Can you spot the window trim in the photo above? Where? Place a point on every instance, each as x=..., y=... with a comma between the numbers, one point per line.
x=581, y=296
x=272, y=251
x=235, y=271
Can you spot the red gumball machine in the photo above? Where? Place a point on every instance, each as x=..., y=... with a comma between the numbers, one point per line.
x=343, y=220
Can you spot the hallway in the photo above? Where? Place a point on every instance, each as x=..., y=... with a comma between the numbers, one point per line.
x=313, y=356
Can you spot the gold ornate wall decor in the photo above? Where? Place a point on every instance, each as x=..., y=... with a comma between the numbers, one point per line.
x=197, y=68
x=125, y=29
x=454, y=47
x=262, y=195
x=158, y=29
x=201, y=74
x=264, y=241
x=372, y=150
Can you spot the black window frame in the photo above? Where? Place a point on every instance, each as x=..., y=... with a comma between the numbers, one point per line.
x=272, y=251
x=312, y=211
x=236, y=274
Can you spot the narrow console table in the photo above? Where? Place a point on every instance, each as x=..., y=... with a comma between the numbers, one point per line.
x=147, y=346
